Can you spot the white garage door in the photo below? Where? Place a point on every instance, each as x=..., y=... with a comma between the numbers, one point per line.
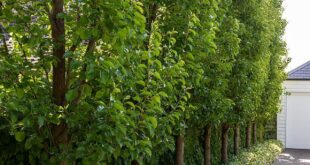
x=298, y=121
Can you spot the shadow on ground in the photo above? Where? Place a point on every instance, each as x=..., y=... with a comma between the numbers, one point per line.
x=293, y=157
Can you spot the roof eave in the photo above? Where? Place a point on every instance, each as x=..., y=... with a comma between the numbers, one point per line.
x=301, y=66
x=299, y=79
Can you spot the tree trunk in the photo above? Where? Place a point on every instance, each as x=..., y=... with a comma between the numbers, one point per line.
x=236, y=139
x=261, y=133
x=151, y=16
x=6, y=50
x=224, y=147
x=58, y=36
x=254, y=133
x=248, y=136
x=179, y=151
x=59, y=132
x=134, y=162
x=207, y=145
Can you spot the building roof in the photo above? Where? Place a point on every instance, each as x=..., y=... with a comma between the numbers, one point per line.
x=300, y=73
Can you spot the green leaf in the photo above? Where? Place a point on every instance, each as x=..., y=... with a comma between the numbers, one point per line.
x=131, y=104
x=141, y=83
x=20, y=93
x=108, y=64
x=104, y=77
x=122, y=34
x=87, y=90
x=71, y=94
x=40, y=121
x=156, y=99
x=19, y=136
x=28, y=144
x=82, y=33
x=139, y=18
x=142, y=66
x=153, y=121
x=137, y=98
x=99, y=94
x=190, y=56
x=139, y=5
x=116, y=90
x=119, y=106
x=163, y=94
x=157, y=75
x=148, y=152
x=158, y=63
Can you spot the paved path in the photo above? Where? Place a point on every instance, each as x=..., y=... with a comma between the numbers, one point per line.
x=293, y=157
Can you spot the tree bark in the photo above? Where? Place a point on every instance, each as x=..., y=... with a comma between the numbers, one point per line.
x=224, y=147
x=151, y=16
x=248, y=136
x=58, y=37
x=261, y=133
x=236, y=138
x=59, y=132
x=6, y=50
x=179, y=151
x=207, y=145
x=254, y=133
x=134, y=162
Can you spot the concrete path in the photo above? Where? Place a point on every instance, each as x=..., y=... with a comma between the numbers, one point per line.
x=293, y=157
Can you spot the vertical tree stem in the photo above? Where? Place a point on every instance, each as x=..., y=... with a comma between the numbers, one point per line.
x=224, y=147
x=207, y=145
x=236, y=138
x=58, y=37
x=59, y=132
x=179, y=151
x=254, y=133
x=248, y=136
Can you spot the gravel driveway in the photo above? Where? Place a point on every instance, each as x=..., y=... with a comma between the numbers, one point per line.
x=293, y=157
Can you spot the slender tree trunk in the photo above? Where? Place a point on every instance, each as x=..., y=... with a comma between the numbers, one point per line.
x=59, y=132
x=179, y=151
x=150, y=15
x=6, y=50
x=58, y=36
x=236, y=138
x=254, y=133
x=150, y=18
x=224, y=147
x=261, y=133
x=134, y=162
x=248, y=136
x=207, y=145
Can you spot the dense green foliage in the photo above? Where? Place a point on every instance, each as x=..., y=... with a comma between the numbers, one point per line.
x=264, y=153
x=116, y=81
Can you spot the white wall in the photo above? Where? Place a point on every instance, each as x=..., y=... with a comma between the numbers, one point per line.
x=290, y=86
x=281, y=120
x=297, y=120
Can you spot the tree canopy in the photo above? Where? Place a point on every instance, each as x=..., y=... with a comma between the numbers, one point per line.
x=135, y=81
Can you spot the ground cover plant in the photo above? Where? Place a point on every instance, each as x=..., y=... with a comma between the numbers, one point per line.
x=264, y=153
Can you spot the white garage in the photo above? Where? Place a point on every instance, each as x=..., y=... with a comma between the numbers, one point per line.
x=293, y=122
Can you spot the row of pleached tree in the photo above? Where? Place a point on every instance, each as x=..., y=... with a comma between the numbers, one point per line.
x=137, y=81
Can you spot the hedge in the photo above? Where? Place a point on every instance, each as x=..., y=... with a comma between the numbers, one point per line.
x=137, y=81
x=263, y=153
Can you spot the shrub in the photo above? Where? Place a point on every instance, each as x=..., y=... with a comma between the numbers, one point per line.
x=263, y=153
